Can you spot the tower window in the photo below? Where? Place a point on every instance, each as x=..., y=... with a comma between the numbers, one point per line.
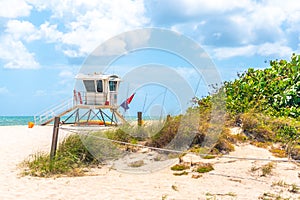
x=99, y=86
x=112, y=85
x=89, y=85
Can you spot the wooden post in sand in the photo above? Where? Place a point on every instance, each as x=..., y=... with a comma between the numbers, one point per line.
x=54, y=137
x=168, y=118
x=140, y=118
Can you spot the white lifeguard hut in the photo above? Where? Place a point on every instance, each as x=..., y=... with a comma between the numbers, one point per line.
x=99, y=90
x=94, y=102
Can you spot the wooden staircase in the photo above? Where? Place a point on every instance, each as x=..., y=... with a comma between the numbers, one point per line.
x=48, y=115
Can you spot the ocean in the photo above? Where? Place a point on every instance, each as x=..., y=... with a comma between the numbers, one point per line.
x=15, y=120
x=23, y=120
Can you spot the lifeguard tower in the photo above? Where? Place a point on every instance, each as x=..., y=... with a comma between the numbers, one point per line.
x=94, y=102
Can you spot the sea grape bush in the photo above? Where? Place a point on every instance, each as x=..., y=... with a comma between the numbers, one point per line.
x=274, y=90
x=264, y=102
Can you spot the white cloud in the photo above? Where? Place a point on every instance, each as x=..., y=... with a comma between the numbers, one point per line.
x=83, y=25
x=15, y=55
x=14, y=8
x=3, y=90
x=193, y=7
x=76, y=27
x=25, y=30
x=228, y=52
x=235, y=28
x=22, y=30
x=86, y=24
x=123, y=43
x=265, y=49
x=50, y=32
x=186, y=11
x=274, y=49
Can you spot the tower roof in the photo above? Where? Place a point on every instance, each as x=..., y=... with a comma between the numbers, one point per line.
x=97, y=76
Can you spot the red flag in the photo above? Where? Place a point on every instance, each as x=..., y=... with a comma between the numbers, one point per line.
x=126, y=102
x=130, y=98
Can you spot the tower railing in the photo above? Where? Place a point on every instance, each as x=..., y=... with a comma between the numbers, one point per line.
x=53, y=111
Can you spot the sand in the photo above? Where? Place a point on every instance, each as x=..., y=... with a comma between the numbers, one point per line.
x=231, y=179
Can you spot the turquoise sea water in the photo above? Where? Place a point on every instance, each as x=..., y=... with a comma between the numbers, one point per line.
x=15, y=120
x=23, y=120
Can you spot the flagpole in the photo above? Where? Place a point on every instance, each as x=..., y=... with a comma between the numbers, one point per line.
x=126, y=97
x=153, y=101
x=145, y=102
x=198, y=84
x=161, y=112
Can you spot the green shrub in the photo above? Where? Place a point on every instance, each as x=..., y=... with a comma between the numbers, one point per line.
x=180, y=173
x=224, y=144
x=204, y=167
x=137, y=163
x=280, y=153
x=274, y=90
x=257, y=126
x=264, y=129
x=267, y=169
x=179, y=167
x=294, y=188
x=71, y=157
x=166, y=134
x=209, y=157
x=118, y=134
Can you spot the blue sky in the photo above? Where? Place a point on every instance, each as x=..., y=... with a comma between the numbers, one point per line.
x=43, y=44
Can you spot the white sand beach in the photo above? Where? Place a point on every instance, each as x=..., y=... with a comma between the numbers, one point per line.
x=231, y=179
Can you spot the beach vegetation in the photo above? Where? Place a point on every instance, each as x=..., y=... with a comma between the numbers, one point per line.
x=209, y=157
x=274, y=90
x=119, y=134
x=265, y=103
x=175, y=188
x=71, y=159
x=267, y=169
x=204, y=168
x=180, y=173
x=264, y=170
x=272, y=196
x=254, y=168
x=180, y=167
x=196, y=176
x=164, y=197
x=280, y=183
x=137, y=163
x=278, y=152
x=294, y=188
x=211, y=196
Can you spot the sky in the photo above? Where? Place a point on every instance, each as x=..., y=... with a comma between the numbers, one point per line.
x=43, y=44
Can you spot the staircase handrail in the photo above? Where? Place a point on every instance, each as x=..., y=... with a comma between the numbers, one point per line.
x=46, y=114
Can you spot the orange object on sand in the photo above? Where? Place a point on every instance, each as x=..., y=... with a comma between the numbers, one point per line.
x=30, y=124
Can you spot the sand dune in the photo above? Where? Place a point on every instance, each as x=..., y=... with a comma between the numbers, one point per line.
x=231, y=179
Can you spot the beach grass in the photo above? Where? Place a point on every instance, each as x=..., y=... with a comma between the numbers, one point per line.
x=204, y=168
x=71, y=158
x=179, y=167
